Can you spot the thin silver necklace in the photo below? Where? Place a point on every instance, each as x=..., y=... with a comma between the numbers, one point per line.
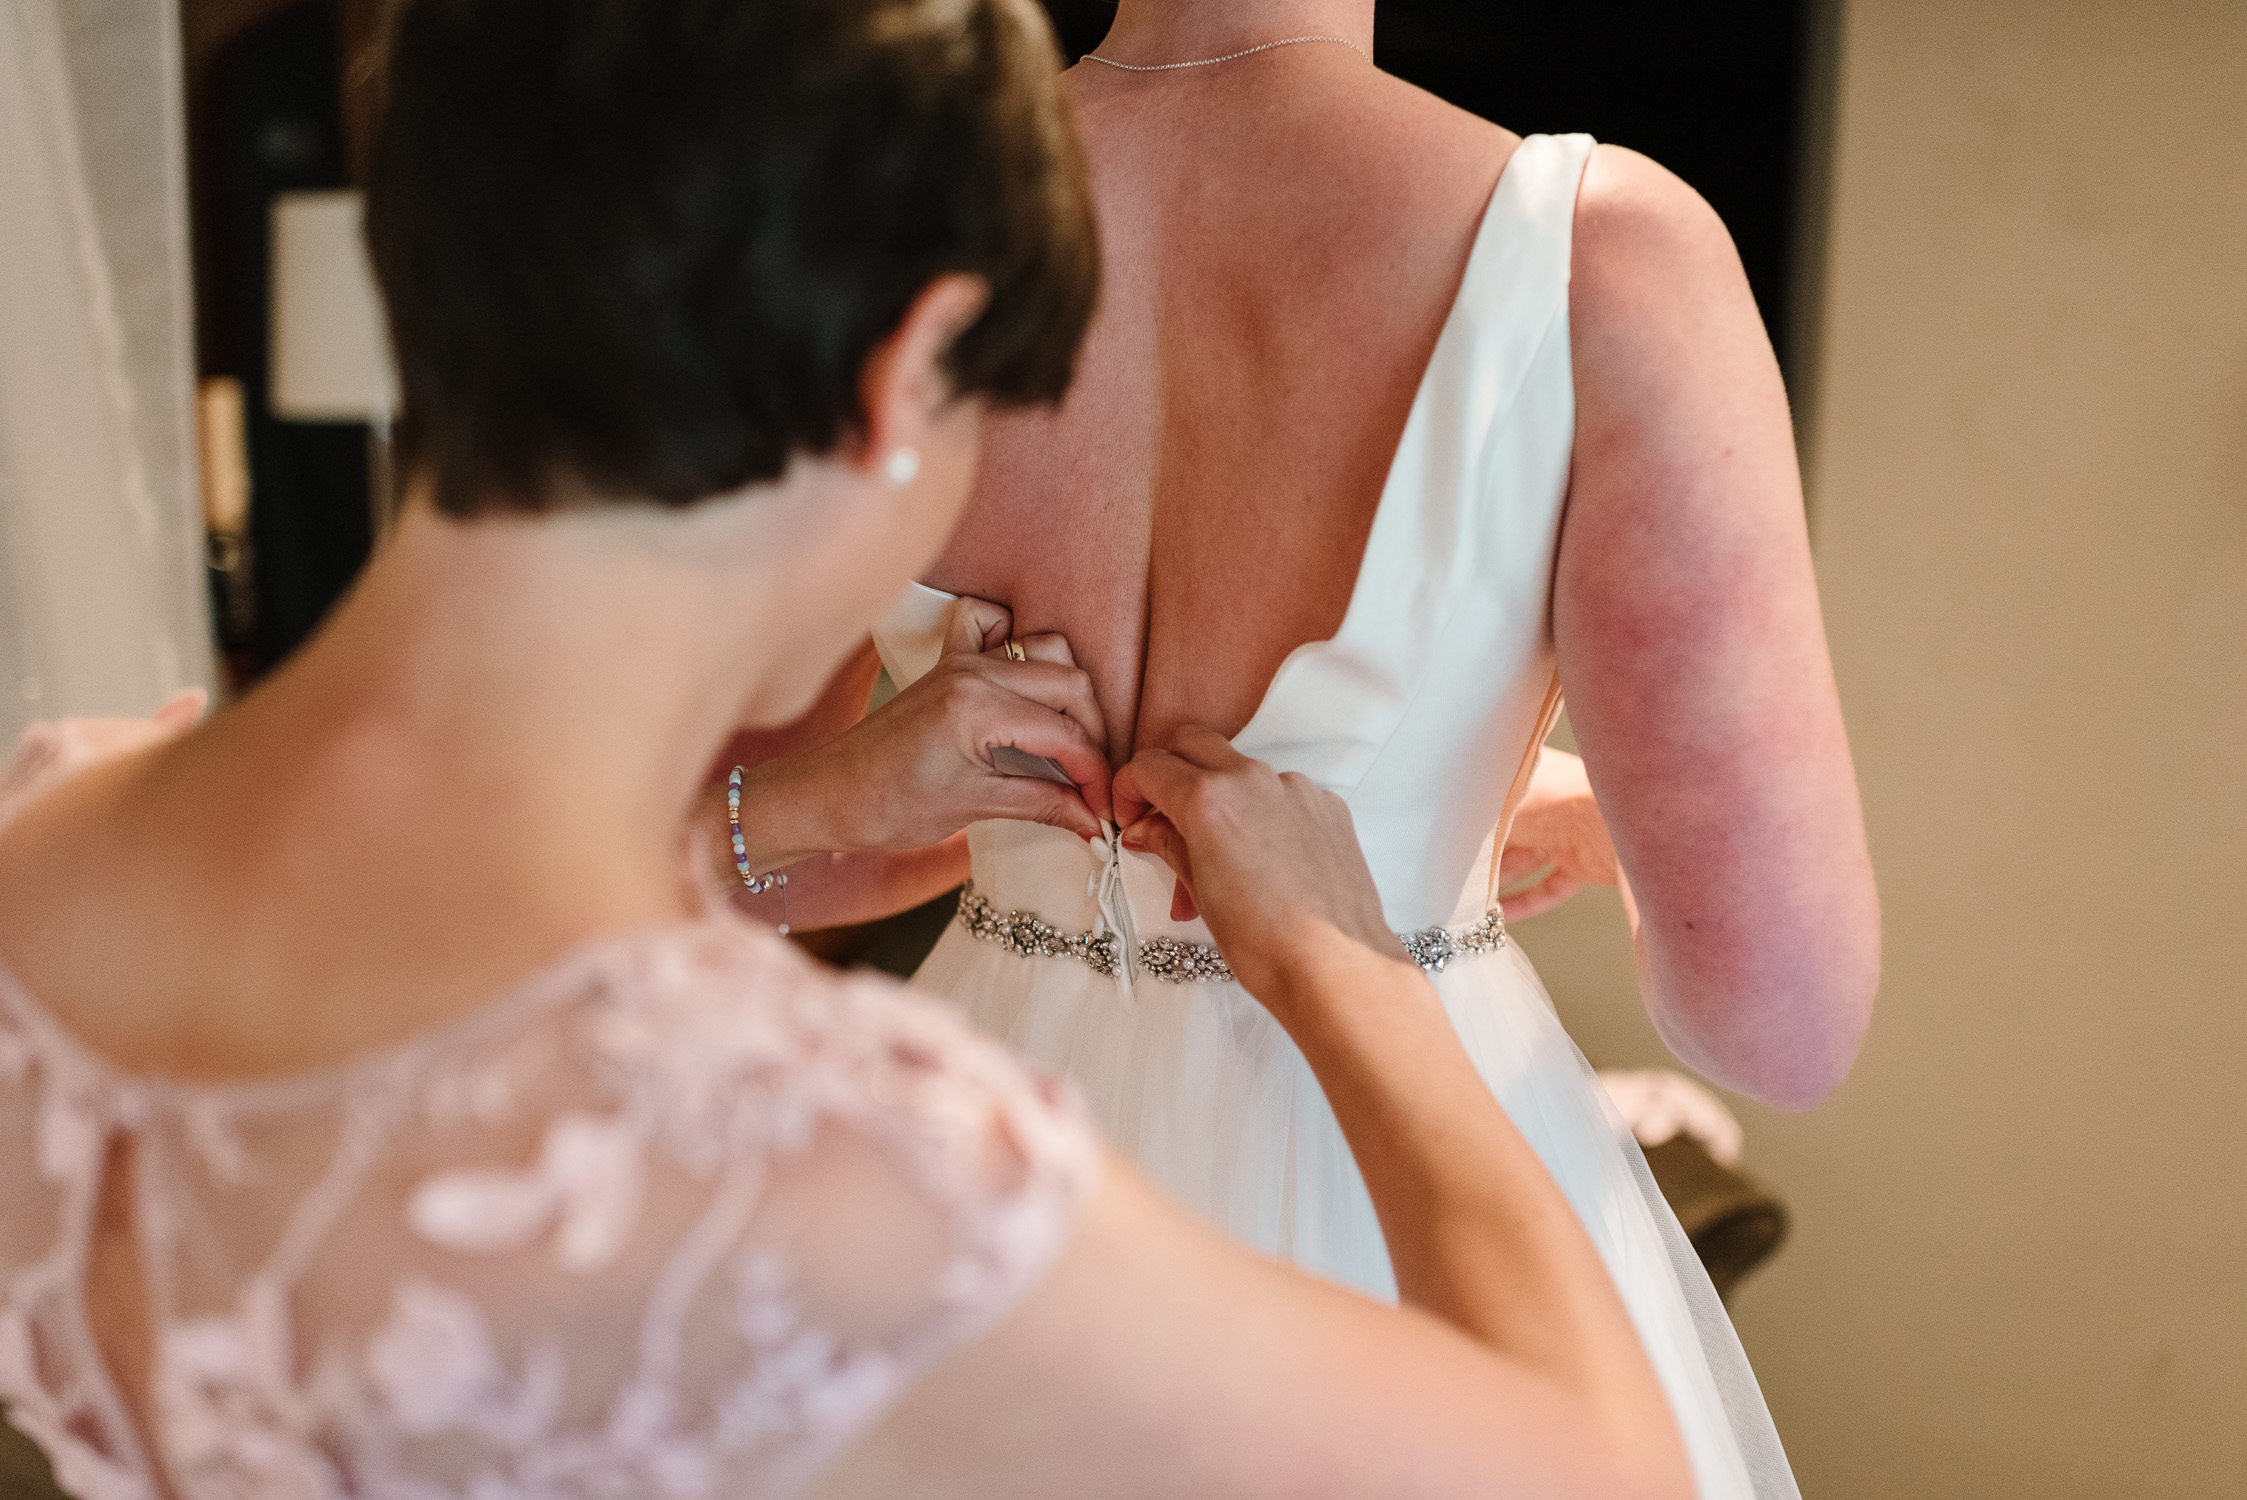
x=1211, y=62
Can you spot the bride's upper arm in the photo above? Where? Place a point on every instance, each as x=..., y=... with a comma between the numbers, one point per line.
x=1693, y=653
x=1160, y=1359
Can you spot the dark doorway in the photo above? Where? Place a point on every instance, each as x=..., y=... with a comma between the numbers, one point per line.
x=1729, y=94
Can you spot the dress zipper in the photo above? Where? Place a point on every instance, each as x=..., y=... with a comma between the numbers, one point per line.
x=1107, y=889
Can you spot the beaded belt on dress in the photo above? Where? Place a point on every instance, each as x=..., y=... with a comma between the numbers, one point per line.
x=1178, y=961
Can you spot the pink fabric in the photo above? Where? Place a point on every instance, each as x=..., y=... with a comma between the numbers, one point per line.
x=679, y=1217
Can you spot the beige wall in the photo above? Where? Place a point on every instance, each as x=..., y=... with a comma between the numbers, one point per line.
x=2021, y=1259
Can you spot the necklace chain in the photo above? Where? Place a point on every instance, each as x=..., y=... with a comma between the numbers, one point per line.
x=1211, y=62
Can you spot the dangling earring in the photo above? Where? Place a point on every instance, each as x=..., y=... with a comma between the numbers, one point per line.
x=903, y=467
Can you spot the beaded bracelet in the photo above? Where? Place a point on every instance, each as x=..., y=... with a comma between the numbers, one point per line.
x=756, y=884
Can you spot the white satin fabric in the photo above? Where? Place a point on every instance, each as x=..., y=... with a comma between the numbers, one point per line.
x=1418, y=713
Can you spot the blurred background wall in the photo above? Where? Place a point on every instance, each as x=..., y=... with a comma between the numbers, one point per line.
x=2020, y=1258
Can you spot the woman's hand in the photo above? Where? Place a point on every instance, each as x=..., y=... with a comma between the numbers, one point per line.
x=49, y=742
x=918, y=769
x=104, y=737
x=1271, y=861
x=1558, y=842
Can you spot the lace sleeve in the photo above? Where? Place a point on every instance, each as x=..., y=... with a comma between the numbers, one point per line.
x=684, y=1234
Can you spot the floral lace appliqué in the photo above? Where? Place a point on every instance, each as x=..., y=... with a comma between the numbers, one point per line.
x=348, y=1338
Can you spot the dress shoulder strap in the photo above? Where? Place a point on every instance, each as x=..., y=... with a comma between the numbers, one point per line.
x=1528, y=292
x=1518, y=788
x=1518, y=273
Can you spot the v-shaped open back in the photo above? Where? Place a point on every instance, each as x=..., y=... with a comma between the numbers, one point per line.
x=1420, y=711
x=1448, y=620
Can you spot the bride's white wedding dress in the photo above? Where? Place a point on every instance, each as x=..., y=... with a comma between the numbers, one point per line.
x=1423, y=712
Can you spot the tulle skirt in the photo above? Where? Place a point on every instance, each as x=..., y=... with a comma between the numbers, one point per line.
x=1203, y=1089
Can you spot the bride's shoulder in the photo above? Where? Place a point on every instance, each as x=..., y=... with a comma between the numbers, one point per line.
x=1403, y=140
x=1639, y=226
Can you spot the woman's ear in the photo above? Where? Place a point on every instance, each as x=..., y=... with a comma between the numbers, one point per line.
x=903, y=386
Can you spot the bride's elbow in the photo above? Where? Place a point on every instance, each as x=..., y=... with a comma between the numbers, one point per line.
x=1809, y=1077
x=1784, y=1030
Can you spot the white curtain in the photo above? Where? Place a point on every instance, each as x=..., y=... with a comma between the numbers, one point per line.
x=102, y=597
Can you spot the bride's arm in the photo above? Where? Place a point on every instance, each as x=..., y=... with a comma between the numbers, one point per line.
x=1686, y=617
x=1163, y=1360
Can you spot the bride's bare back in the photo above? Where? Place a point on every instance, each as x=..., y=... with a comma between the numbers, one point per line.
x=1282, y=237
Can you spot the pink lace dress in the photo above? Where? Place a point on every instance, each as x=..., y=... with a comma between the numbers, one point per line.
x=679, y=1217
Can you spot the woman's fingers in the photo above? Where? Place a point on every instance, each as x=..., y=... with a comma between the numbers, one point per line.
x=1037, y=730
x=1050, y=647
x=182, y=710
x=980, y=628
x=1029, y=800
x=1552, y=891
x=1154, y=780
x=1157, y=835
x=1521, y=861
x=1182, y=907
x=1207, y=749
x=1062, y=689
x=975, y=626
x=1262, y=856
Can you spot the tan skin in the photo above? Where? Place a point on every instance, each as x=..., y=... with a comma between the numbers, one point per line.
x=368, y=847
x=1282, y=238
x=1224, y=447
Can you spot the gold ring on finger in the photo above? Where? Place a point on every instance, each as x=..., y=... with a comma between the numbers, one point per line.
x=1014, y=651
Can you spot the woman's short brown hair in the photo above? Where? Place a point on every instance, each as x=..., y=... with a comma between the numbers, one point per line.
x=642, y=249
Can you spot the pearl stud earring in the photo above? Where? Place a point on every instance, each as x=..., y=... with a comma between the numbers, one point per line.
x=903, y=467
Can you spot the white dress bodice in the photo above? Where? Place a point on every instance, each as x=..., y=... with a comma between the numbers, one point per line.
x=1423, y=712
x=1419, y=710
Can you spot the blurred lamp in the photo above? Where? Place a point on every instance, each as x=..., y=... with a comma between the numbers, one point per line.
x=331, y=358
x=330, y=350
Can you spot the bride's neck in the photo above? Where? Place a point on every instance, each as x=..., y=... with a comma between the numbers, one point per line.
x=1161, y=31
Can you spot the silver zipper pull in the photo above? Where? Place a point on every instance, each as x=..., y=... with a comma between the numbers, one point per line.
x=1115, y=905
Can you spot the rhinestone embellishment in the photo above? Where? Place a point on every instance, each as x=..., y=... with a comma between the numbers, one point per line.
x=1433, y=947
x=1177, y=961
x=1029, y=935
